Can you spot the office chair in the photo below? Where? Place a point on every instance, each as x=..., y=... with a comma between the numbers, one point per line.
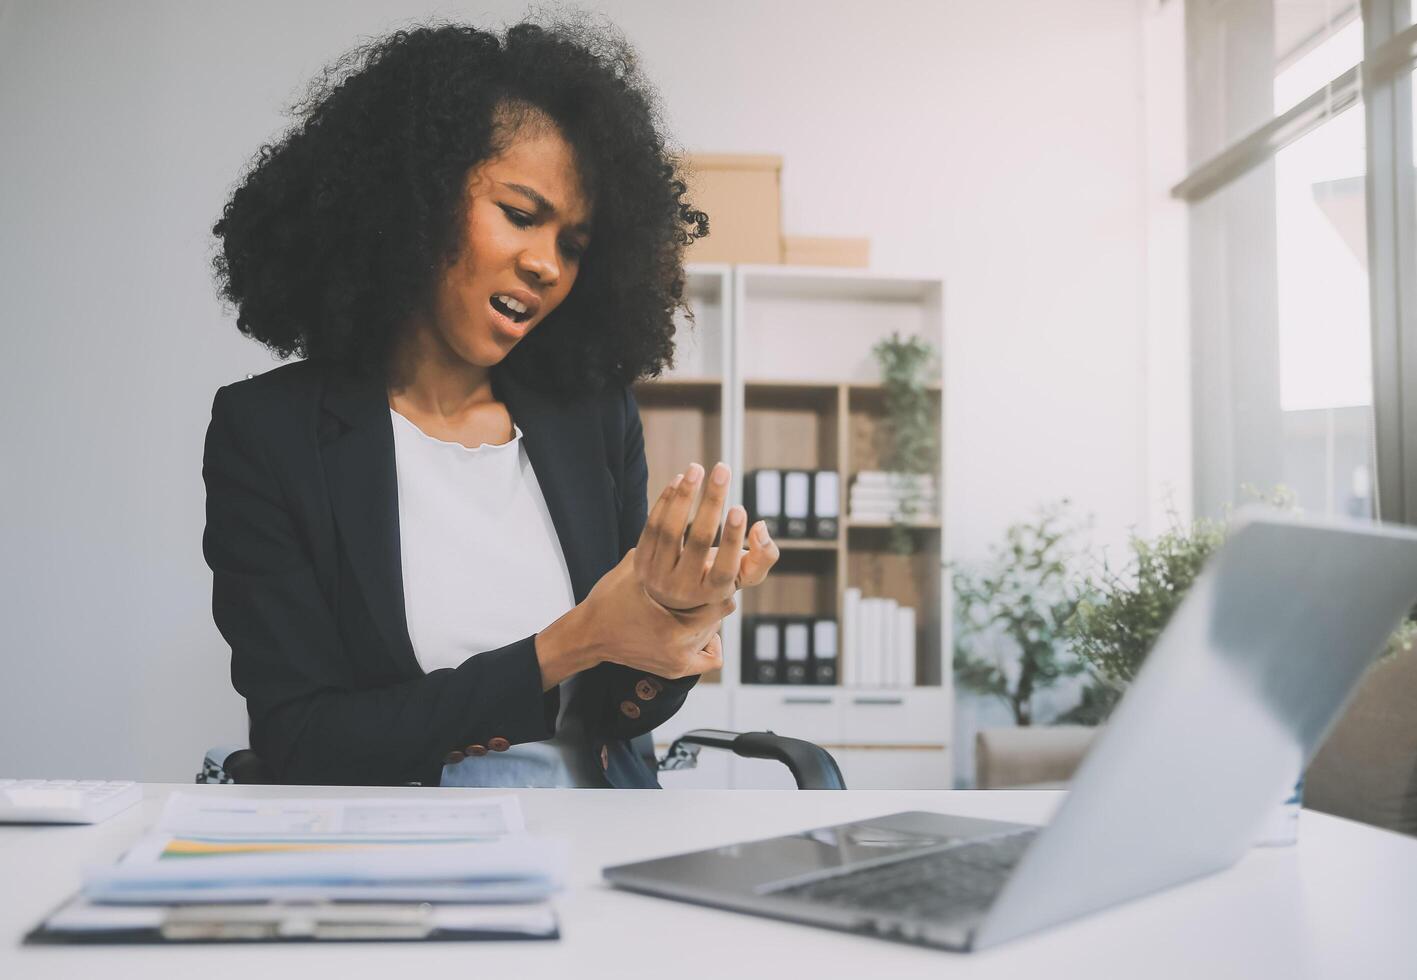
x=811, y=765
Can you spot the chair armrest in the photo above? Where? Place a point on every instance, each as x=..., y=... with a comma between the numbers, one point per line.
x=811, y=765
x=234, y=764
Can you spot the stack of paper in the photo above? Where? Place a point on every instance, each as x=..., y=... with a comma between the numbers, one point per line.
x=214, y=849
x=878, y=642
x=401, y=859
x=881, y=496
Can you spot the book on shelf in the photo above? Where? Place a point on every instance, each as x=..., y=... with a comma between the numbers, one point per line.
x=824, y=651
x=826, y=504
x=870, y=647
x=880, y=496
x=849, y=666
x=885, y=644
x=893, y=480
x=762, y=647
x=796, y=651
x=888, y=497
x=878, y=642
x=904, y=653
x=796, y=503
x=762, y=499
x=790, y=650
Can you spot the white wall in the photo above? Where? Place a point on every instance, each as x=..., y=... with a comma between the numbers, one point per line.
x=998, y=145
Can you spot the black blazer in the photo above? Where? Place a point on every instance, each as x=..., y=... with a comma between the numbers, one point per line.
x=302, y=538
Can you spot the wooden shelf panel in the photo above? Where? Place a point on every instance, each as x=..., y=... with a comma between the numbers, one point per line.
x=868, y=435
x=770, y=385
x=807, y=544
x=791, y=427
x=918, y=524
x=683, y=424
x=703, y=393
x=802, y=583
x=676, y=382
x=865, y=390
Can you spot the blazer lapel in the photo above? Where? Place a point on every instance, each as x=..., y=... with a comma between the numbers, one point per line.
x=566, y=449
x=563, y=442
x=357, y=450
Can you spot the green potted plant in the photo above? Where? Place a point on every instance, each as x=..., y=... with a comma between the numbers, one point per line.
x=912, y=441
x=1010, y=614
x=1114, y=627
x=1123, y=612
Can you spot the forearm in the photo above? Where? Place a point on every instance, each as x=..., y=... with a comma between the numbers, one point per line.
x=568, y=646
x=397, y=732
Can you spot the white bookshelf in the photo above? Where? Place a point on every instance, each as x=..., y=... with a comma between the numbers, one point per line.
x=778, y=371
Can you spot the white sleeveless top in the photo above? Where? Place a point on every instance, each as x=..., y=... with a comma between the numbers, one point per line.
x=482, y=567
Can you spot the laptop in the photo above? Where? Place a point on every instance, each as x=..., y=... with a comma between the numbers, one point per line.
x=1234, y=699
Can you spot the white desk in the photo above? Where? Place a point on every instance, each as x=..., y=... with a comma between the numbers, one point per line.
x=1343, y=903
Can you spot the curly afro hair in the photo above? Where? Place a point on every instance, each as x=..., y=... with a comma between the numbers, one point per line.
x=339, y=232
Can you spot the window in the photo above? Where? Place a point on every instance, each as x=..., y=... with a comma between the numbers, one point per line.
x=1300, y=112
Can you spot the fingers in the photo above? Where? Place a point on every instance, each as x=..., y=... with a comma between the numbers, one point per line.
x=704, y=529
x=711, y=656
x=722, y=574
x=689, y=574
x=762, y=555
x=649, y=536
x=670, y=531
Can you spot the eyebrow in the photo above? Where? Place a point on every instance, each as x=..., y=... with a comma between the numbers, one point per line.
x=542, y=204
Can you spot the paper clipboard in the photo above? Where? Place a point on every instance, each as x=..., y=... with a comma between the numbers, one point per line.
x=81, y=922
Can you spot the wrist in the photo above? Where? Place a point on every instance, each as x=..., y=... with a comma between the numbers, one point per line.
x=566, y=647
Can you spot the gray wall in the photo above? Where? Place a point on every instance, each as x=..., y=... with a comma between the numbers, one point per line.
x=999, y=145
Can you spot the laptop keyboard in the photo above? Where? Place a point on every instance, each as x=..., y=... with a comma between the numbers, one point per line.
x=940, y=885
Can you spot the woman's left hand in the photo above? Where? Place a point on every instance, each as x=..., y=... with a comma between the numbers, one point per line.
x=683, y=573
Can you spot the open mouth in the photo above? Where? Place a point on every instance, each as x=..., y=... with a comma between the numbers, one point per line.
x=511, y=308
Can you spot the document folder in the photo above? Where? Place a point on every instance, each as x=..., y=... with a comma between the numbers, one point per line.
x=796, y=651
x=762, y=498
x=761, y=663
x=291, y=869
x=82, y=922
x=796, y=503
x=826, y=504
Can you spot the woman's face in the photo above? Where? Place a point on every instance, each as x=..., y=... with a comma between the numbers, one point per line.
x=526, y=229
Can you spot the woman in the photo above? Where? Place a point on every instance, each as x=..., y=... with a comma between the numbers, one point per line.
x=430, y=544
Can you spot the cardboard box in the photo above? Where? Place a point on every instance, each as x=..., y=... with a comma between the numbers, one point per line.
x=852, y=253
x=740, y=194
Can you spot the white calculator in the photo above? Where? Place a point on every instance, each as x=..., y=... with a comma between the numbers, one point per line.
x=65, y=800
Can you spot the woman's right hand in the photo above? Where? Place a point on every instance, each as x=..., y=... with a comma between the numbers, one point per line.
x=675, y=557
x=619, y=622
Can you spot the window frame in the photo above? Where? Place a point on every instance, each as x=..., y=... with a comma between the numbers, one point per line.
x=1392, y=253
